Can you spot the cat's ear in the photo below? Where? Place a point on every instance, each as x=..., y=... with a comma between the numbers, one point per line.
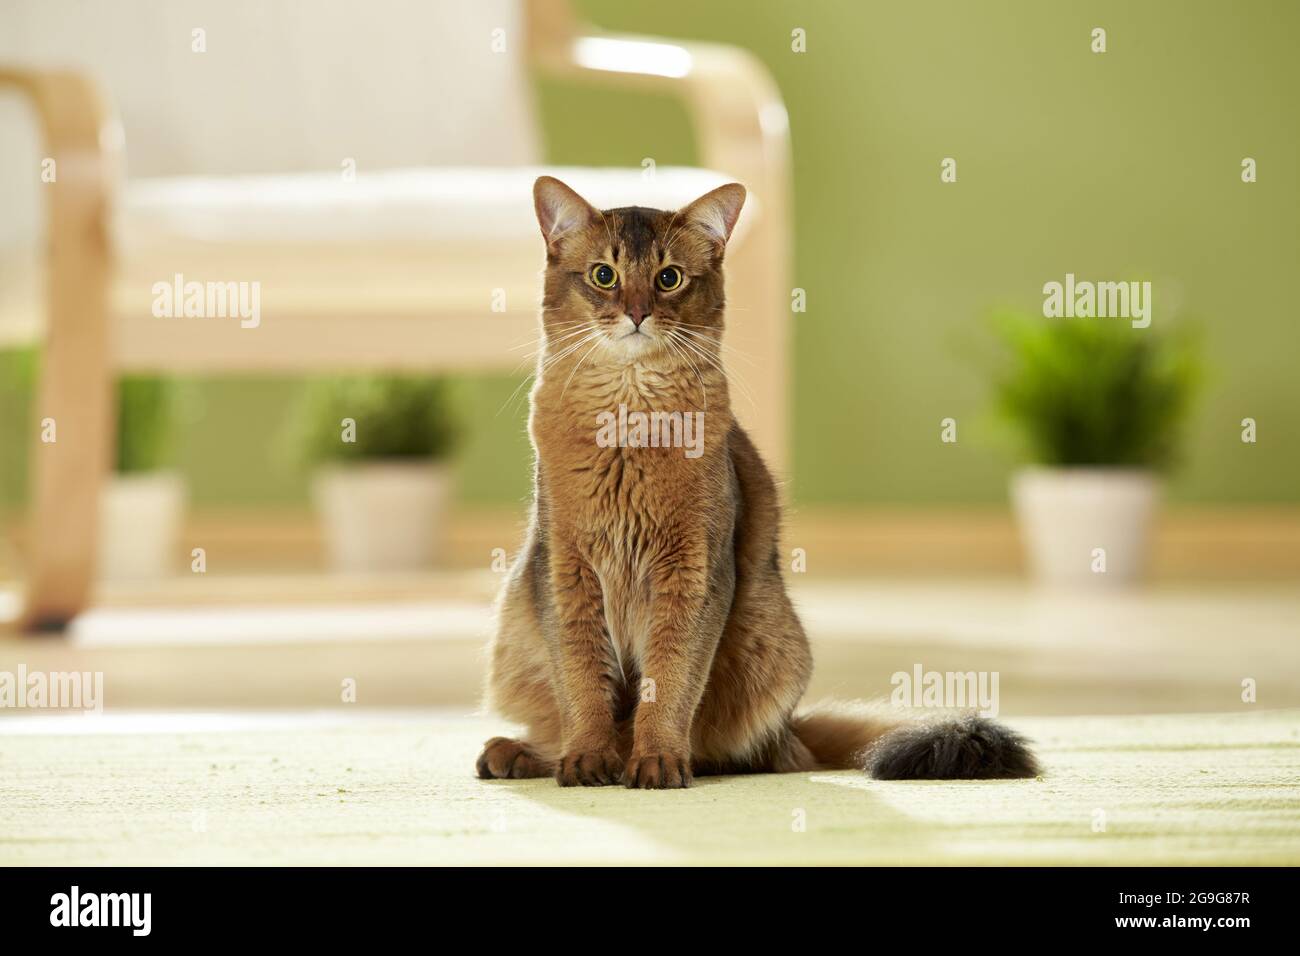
x=716, y=212
x=559, y=209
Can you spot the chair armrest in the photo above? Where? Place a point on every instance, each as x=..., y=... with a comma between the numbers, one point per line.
x=78, y=130
x=75, y=386
x=736, y=110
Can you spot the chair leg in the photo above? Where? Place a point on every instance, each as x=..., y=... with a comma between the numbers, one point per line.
x=74, y=406
x=758, y=324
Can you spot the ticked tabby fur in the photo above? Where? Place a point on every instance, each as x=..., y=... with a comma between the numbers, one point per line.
x=644, y=633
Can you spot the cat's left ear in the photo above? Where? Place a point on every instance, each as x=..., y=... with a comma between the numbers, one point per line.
x=716, y=212
x=560, y=210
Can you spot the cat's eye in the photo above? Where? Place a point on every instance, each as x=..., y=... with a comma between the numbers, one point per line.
x=669, y=278
x=603, y=276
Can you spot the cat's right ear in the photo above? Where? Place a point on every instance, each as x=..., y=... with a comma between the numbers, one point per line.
x=559, y=210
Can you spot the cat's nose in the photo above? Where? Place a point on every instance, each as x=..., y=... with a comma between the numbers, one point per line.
x=638, y=312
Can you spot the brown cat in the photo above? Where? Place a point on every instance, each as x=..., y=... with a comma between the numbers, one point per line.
x=644, y=632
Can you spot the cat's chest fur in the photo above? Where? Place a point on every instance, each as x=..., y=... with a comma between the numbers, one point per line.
x=624, y=454
x=626, y=503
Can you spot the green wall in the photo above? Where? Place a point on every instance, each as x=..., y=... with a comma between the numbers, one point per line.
x=1117, y=165
x=1111, y=166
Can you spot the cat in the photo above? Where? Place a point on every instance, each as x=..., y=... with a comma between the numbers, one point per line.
x=644, y=634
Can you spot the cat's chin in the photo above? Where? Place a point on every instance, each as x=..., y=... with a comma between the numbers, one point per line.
x=631, y=346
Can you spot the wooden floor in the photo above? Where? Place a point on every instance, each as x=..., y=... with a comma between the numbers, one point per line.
x=341, y=787
x=286, y=642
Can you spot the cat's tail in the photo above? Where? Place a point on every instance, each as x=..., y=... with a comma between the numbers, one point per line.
x=891, y=745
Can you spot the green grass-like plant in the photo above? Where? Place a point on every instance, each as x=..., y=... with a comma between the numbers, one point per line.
x=145, y=423
x=1096, y=392
x=17, y=377
x=396, y=416
x=145, y=406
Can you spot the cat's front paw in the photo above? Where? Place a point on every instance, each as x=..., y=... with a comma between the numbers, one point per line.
x=658, y=771
x=589, y=768
x=506, y=759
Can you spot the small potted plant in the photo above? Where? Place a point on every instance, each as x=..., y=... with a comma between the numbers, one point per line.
x=17, y=415
x=382, y=484
x=1099, y=406
x=143, y=503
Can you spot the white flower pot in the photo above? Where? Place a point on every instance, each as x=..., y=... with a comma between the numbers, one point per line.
x=140, y=526
x=382, y=515
x=1085, y=527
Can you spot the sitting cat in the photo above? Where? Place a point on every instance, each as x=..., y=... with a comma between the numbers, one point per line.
x=644, y=633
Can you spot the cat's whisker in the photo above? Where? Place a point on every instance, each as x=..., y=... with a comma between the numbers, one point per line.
x=731, y=350
x=555, y=341
x=673, y=234
x=548, y=336
x=550, y=361
x=677, y=350
x=700, y=350
x=587, y=327
x=715, y=363
x=546, y=340
x=575, y=369
x=704, y=388
x=512, y=396
x=563, y=342
x=712, y=331
x=566, y=353
x=702, y=336
x=608, y=234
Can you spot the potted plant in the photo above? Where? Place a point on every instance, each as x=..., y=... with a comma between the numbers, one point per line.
x=382, y=484
x=17, y=414
x=1099, y=407
x=143, y=503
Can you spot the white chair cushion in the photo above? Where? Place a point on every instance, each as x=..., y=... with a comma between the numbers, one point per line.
x=431, y=204
x=403, y=266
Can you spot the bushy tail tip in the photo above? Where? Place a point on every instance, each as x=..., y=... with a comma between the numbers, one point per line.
x=962, y=748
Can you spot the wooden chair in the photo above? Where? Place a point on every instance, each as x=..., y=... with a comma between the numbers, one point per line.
x=395, y=268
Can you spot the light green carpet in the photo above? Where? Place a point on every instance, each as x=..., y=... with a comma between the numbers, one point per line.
x=321, y=789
